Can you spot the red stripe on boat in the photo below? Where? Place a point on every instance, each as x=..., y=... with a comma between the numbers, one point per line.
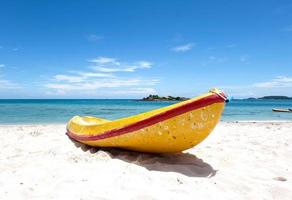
x=214, y=98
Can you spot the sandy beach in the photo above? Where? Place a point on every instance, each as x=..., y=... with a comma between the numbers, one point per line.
x=244, y=160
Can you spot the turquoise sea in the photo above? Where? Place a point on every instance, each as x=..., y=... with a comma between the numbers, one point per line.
x=60, y=111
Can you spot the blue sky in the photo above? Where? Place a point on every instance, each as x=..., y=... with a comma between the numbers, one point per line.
x=129, y=49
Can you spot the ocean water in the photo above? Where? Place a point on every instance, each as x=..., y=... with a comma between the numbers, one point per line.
x=60, y=111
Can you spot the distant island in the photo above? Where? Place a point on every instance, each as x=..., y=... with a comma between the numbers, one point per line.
x=269, y=98
x=152, y=97
x=275, y=97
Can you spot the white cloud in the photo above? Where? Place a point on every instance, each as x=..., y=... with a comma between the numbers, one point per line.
x=94, y=74
x=80, y=76
x=281, y=85
x=107, y=70
x=142, y=91
x=68, y=78
x=108, y=65
x=94, y=37
x=15, y=49
x=144, y=64
x=214, y=60
x=278, y=82
x=108, y=93
x=6, y=84
x=183, y=48
x=102, y=78
x=70, y=84
x=101, y=61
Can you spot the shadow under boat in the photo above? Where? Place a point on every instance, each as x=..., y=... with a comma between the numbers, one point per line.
x=183, y=163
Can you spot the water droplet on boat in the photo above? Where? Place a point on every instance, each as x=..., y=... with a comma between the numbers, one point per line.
x=182, y=122
x=204, y=116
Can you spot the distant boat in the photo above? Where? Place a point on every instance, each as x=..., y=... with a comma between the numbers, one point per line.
x=281, y=110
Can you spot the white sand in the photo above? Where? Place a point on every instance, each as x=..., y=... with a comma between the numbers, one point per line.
x=237, y=161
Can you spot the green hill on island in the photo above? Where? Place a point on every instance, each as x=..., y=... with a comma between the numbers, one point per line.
x=152, y=97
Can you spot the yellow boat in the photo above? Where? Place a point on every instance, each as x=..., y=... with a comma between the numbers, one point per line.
x=172, y=128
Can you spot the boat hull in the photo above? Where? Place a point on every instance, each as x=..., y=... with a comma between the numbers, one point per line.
x=174, y=128
x=281, y=110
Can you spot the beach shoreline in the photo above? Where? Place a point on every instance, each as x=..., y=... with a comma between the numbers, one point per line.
x=239, y=160
x=221, y=122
